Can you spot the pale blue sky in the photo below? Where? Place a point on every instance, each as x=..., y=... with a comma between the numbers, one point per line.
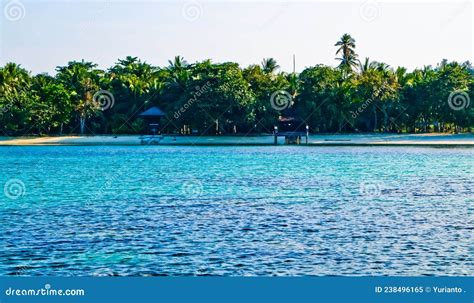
x=50, y=33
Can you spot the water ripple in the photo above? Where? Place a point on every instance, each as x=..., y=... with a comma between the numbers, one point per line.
x=245, y=211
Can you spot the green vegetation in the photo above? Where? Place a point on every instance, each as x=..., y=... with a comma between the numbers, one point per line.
x=356, y=96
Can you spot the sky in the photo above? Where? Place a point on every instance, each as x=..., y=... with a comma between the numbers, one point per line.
x=41, y=35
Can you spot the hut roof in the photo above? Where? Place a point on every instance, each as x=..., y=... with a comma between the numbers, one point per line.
x=153, y=112
x=289, y=114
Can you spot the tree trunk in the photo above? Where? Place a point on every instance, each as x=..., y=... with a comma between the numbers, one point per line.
x=82, y=121
x=375, y=118
x=367, y=125
x=436, y=126
x=385, y=117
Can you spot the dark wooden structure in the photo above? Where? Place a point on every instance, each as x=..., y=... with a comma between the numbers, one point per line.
x=291, y=127
x=153, y=116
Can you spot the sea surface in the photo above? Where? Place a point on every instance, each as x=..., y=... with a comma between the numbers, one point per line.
x=236, y=211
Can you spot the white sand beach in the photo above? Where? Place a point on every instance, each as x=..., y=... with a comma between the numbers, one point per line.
x=348, y=139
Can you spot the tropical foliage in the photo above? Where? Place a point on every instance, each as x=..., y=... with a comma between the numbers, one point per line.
x=224, y=98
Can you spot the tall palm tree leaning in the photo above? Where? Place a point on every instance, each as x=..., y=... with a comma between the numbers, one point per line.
x=269, y=65
x=348, y=56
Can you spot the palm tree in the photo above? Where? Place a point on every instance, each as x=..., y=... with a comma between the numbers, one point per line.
x=13, y=79
x=269, y=65
x=179, y=73
x=177, y=64
x=403, y=78
x=348, y=56
x=137, y=78
x=82, y=78
x=15, y=98
x=374, y=66
x=364, y=67
x=293, y=86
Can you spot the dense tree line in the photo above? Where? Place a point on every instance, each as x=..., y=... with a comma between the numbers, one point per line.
x=224, y=98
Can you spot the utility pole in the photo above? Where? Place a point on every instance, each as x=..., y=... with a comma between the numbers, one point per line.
x=294, y=64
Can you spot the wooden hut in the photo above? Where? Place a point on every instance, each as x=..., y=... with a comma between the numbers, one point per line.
x=291, y=127
x=153, y=116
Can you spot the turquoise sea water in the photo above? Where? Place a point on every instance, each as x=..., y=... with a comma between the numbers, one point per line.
x=234, y=211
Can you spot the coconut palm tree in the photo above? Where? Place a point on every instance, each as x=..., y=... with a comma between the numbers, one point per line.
x=348, y=56
x=269, y=65
x=13, y=78
x=364, y=66
x=16, y=98
x=178, y=63
x=179, y=73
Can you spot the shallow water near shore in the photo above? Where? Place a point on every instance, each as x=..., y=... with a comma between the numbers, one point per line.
x=268, y=139
x=234, y=211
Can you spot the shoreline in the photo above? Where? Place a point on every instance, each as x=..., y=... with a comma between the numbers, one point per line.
x=432, y=140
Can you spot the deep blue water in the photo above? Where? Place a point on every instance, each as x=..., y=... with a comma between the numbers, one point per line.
x=233, y=211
